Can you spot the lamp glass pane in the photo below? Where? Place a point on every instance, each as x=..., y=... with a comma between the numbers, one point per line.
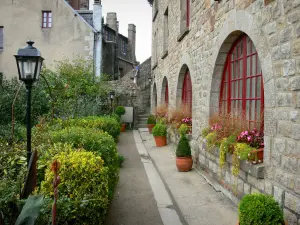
x=39, y=67
x=29, y=68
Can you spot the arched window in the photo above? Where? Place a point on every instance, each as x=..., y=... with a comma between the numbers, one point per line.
x=154, y=99
x=187, y=91
x=242, y=91
x=167, y=94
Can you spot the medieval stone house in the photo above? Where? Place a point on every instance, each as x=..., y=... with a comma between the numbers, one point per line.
x=63, y=29
x=240, y=57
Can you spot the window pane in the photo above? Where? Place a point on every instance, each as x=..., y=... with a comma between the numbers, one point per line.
x=241, y=68
x=258, y=110
x=237, y=70
x=247, y=110
x=50, y=25
x=50, y=14
x=253, y=110
x=248, y=88
x=253, y=48
x=44, y=14
x=225, y=91
x=241, y=89
x=258, y=66
x=232, y=90
x=253, y=93
x=232, y=71
x=258, y=87
x=236, y=89
x=50, y=20
x=241, y=49
x=253, y=65
x=44, y=25
x=248, y=66
x=45, y=20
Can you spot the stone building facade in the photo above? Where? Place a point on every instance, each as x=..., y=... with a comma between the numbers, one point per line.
x=197, y=36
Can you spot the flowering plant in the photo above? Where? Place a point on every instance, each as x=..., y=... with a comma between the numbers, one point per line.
x=254, y=138
x=216, y=127
x=187, y=121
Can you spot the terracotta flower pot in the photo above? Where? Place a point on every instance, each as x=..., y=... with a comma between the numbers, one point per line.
x=123, y=127
x=150, y=126
x=257, y=156
x=160, y=141
x=184, y=164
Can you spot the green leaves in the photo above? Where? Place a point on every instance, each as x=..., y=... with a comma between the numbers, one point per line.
x=151, y=119
x=159, y=130
x=183, y=148
x=259, y=209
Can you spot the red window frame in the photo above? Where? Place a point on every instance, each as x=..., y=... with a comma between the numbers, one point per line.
x=46, y=19
x=242, y=90
x=187, y=91
x=187, y=13
x=167, y=94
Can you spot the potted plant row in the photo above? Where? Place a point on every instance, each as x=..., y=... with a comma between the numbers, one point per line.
x=184, y=161
x=120, y=110
x=260, y=209
x=159, y=132
x=151, y=121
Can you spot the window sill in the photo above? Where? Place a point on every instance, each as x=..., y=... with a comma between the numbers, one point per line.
x=165, y=54
x=183, y=33
x=154, y=66
x=155, y=15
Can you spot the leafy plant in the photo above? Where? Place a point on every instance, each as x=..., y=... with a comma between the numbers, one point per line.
x=159, y=130
x=96, y=141
x=254, y=138
x=84, y=184
x=241, y=152
x=183, y=148
x=227, y=145
x=211, y=141
x=183, y=129
x=116, y=117
x=30, y=210
x=259, y=209
x=205, y=132
x=151, y=119
x=161, y=111
x=120, y=110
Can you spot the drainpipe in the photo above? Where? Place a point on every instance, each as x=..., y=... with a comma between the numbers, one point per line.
x=97, y=21
x=117, y=53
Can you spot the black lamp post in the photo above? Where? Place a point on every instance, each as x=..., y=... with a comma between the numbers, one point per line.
x=111, y=96
x=29, y=62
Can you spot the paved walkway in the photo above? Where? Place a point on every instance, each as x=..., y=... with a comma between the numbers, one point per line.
x=198, y=202
x=152, y=192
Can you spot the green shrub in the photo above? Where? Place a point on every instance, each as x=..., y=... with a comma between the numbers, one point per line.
x=259, y=209
x=84, y=185
x=205, y=132
x=120, y=110
x=159, y=130
x=151, y=119
x=96, y=141
x=116, y=117
x=183, y=129
x=183, y=148
x=104, y=123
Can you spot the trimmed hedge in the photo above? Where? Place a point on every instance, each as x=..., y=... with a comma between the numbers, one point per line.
x=83, y=188
x=106, y=123
x=96, y=141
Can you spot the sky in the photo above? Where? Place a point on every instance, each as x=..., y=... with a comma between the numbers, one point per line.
x=138, y=12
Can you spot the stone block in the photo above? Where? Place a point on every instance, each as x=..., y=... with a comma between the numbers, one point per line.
x=273, y=39
x=290, y=217
x=294, y=17
x=284, y=128
x=282, y=84
x=292, y=202
x=276, y=53
x=289, y=67
x=284, y=99
x=286, y=51
x=278, y=69
x=271, y=28
x=279, y=195
x=240, y=185
x=247, y=188
x=297, y=186
x=279, y=145
x=286, y=34
x=254, y=190
x=294, y=116
x=296, y=131
x=290, y=163
x=296, y=48
x=268, y=187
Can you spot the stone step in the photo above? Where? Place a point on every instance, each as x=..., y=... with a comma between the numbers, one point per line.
x=142, y=122
x=141, y=125
x=144, y=115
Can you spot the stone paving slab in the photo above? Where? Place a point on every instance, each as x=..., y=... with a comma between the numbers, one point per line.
x=198, y=201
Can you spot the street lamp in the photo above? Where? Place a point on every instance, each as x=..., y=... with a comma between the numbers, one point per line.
x=29, y=63
x=111, y=96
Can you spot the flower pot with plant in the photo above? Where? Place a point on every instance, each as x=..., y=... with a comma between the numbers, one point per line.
x=259, y=209
x=151, y=121
x=120, y=110
x=184, y=161
x=159, y=132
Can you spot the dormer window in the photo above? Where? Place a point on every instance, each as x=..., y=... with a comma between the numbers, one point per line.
x=47, y=19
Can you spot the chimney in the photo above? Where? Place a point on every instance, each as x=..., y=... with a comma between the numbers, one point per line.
x=111, y=20
x=97, y=22
x=131, y=40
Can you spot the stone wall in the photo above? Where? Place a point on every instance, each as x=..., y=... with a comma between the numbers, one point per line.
x=274, y=28
x=136, y=95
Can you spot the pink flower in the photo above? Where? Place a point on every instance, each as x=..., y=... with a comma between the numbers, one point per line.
x=249, y=138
